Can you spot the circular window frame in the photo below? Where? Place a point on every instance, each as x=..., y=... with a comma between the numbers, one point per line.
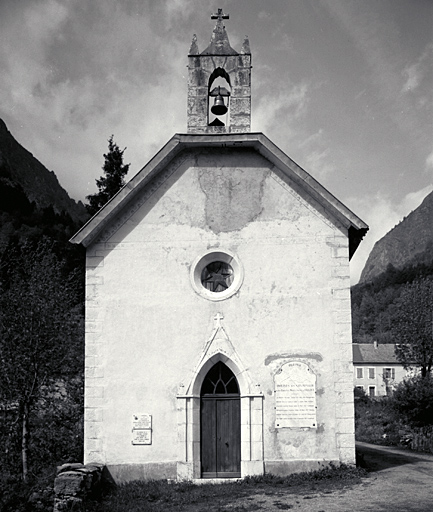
x=211, y=256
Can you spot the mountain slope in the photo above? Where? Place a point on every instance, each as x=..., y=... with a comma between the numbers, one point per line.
x=410, y=242
x=19, y=169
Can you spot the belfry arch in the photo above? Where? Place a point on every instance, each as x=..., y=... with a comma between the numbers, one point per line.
x=219, y=92
x=221, y=65
x=189, y=421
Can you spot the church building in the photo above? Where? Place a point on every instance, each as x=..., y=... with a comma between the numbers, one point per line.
x=218, y=321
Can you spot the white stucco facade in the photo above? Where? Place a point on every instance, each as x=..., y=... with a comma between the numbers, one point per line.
x=152, y=335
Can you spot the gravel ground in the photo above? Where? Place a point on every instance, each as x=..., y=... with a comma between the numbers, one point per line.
x=399, y=481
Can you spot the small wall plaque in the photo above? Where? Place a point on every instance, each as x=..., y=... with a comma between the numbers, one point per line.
x=141, y=429
x=143, y=436
x=141, y=421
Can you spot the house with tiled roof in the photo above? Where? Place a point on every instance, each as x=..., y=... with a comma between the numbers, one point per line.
x=376, y=368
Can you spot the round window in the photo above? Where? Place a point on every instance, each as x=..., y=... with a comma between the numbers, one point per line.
x=216, y=275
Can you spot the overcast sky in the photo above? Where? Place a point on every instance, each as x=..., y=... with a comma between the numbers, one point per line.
x=344, y=87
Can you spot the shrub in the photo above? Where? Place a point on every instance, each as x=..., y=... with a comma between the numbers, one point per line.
x=413, y=401
x=376, y=422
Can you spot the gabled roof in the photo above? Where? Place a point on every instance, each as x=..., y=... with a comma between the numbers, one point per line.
x=374, y=353
x=257, y=141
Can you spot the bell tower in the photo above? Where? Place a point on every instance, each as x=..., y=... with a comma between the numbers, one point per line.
x=219, y=84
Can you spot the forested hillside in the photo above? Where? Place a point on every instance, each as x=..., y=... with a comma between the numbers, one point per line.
x=41, y=322
x=41, y=186
x=374, y=303
x=403, y=255
x=32, y=202
x=41, y=325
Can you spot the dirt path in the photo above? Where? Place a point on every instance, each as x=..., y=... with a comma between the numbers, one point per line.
x=399, y=481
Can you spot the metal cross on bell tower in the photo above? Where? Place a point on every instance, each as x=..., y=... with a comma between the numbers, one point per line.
x=220, y=16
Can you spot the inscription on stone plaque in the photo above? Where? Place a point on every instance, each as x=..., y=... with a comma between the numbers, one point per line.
x=143, y=436
x=295, y=396
x=141, y=429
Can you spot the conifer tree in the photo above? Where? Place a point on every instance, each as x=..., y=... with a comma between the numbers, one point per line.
x=112, y=181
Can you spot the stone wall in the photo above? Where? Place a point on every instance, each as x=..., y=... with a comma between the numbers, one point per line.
x=75, y=483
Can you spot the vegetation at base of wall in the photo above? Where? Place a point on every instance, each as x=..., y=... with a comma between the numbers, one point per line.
x=36, y=496
x=160, y=495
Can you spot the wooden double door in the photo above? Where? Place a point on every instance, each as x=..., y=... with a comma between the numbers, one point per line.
x=220, y=425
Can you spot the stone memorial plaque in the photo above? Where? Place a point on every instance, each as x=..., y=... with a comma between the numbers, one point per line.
x=295, y=396
x=141, y=421
x=143, y=436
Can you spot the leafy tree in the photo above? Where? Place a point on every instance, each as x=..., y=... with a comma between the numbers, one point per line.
x=413, y=326
x=40, y=337
x=114, y=179
x=413, y=401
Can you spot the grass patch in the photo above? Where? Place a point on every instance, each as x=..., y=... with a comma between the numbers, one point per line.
x=159, y=495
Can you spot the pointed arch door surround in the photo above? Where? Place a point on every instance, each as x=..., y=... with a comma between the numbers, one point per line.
x=189, y=406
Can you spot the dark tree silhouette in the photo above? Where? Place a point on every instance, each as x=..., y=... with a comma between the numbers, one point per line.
x=112, y=181
x=413, y=326
x=40, y=335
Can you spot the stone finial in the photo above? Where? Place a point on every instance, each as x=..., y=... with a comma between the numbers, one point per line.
x=246, y=46
x=193, y=50
x=219, y=43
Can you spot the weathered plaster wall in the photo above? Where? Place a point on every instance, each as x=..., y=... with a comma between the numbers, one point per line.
x=146, y=327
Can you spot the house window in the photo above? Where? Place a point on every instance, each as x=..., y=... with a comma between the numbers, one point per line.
x=359, y=373
x=371, y=391
x=389, y=373
x=360, y=387
x=371, y=374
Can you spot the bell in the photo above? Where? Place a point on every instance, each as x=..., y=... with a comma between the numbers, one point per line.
x=218, y=108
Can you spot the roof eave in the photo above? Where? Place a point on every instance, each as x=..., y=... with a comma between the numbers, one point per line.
x=355, y=226
x=98, y=222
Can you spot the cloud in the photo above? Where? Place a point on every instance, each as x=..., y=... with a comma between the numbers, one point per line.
x=376, y=37
x=382, y=215
x=429, y=162
x=80, y=75
x=317, y=156
x=281, y=107
x=318, y=163
x=413, y=78
x=415, y=73
x=263, y=15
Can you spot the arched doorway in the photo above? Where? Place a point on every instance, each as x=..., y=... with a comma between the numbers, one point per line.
x=220, y=421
